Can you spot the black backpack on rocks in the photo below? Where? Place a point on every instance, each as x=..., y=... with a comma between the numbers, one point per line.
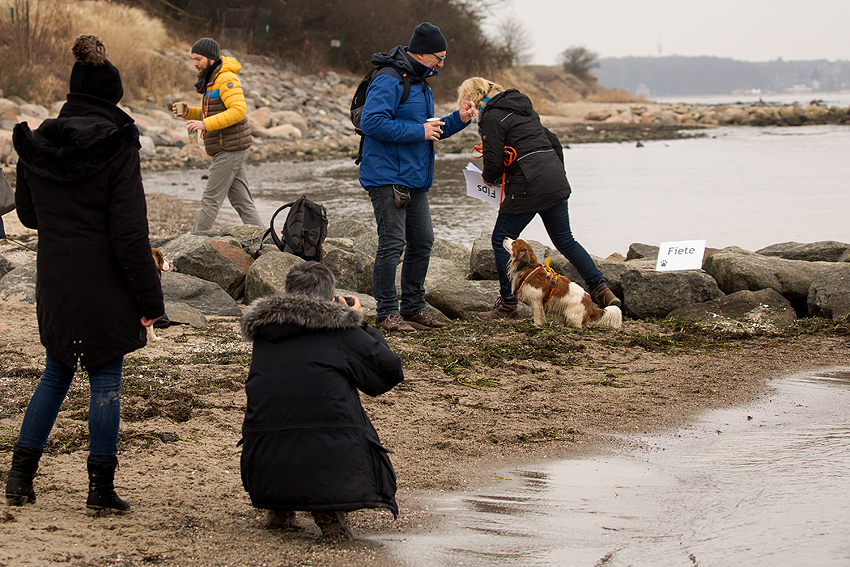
x=304, y=231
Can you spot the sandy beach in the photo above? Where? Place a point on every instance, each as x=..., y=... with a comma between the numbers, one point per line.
x=476, y=398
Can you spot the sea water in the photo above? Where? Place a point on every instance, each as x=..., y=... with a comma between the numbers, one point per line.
x=745, y=186
x=764, y=484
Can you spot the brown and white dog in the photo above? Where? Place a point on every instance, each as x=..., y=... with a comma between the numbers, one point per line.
x=163, y=266
x=554, y=295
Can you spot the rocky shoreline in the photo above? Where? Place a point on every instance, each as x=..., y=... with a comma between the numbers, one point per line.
x=296, y=117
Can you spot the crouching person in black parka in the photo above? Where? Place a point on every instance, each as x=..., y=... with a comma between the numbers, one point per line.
x=308, y=444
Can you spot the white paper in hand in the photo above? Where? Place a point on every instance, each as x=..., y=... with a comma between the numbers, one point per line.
x=475, y=186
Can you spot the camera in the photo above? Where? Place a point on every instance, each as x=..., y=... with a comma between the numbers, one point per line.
x=348, y=299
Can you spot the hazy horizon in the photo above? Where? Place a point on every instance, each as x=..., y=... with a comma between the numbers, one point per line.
x=744, y=31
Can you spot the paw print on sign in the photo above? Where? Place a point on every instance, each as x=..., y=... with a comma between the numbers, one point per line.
x=663, y=263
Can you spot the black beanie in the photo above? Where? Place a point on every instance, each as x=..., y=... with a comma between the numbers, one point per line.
x=207, y=47
x=426, y=38
x=92, y=73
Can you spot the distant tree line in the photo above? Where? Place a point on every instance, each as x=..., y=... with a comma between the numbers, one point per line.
x=682, y=76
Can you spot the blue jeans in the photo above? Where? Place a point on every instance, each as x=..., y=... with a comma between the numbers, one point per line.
x=557, y=223
x=405, y=230
x=104, y=406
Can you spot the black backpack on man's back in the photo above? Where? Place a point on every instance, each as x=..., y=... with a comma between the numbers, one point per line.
x=359, y=98
x=304, y=230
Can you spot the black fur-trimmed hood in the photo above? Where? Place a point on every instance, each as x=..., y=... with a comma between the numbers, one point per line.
x=81, y=142
x=295, y=313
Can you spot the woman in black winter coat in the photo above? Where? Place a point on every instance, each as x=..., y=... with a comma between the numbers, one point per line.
x=533, y=183
x=79, y=184
x=308, y=444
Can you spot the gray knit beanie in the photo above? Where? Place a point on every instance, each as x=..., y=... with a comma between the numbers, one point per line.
x=207, y=47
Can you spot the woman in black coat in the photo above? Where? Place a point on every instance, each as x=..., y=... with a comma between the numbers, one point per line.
x=308, y=444
x=79, y=184
x=533, y=183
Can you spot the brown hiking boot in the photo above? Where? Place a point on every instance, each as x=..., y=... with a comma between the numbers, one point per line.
x=332, y=524
x=393, y=322
x=275, y=520
x=605, y=297
x=501, y=310
x=423, y=321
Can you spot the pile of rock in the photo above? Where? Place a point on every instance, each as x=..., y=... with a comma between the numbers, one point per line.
x=290, y=114
x=761, y=114
x=218, y=273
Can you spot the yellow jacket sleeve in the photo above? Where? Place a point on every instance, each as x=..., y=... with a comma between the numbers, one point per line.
x=230, y=91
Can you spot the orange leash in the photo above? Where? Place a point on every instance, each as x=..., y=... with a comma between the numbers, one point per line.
x=510, y=157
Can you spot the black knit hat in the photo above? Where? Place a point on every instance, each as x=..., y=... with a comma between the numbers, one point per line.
x=93, y=74
x=207, y=47
x=426, y=38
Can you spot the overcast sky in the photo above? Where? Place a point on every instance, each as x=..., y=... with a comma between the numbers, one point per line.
x=746, y=30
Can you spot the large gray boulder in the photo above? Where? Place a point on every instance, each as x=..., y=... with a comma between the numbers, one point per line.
x=174, y=247
x=455, y=253
x=464, y=299
x=829, y=296
x=351, y=268
x=19, y=284
x=205, y=296
x=267, y=275
x=482, y=263
x=638, y=251
x=655, y=294
x=5, y=266
x=439, y=271
x=347, y=228
x=367, y=243
x=249, y=236
x=216, y=261
x=736, y=269
x=823, y=251
x=180, y=312
x=743, y=311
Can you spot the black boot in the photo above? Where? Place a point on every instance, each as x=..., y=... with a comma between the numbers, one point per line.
x=102, y=498
x=19, y=490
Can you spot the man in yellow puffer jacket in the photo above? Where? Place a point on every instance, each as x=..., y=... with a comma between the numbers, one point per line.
x=223, y=123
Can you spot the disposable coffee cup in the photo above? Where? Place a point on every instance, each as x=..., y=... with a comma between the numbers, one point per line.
x=434, y=120
x=193, y=136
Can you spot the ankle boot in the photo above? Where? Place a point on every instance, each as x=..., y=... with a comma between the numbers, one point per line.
x=102, y=498
x=19, y=490
x=605, y=297
x=501, y=310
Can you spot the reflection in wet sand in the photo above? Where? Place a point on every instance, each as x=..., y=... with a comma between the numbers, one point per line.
x=764, y=484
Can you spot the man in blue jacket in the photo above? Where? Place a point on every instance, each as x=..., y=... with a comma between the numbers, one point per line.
x=398, y=168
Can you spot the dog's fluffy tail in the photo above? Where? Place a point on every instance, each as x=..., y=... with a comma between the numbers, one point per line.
x=610, y=317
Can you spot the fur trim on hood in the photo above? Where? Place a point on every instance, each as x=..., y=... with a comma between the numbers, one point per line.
x=298, y=310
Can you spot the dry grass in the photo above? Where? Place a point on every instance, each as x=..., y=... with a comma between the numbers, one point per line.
x=36, y=39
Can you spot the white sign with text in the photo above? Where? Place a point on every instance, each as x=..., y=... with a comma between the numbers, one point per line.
x=475, y=186
x=684, y=255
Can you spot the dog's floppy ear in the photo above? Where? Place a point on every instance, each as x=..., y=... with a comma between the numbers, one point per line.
x=521, y=253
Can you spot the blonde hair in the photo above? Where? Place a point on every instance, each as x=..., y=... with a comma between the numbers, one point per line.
x=478, y=88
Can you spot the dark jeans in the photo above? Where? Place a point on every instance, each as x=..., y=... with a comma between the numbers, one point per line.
x=104, y=406
x=405, y=230
x=557, y=223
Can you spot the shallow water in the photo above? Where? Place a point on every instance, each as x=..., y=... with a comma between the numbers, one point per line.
x=763, y=484
x=748, y=187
